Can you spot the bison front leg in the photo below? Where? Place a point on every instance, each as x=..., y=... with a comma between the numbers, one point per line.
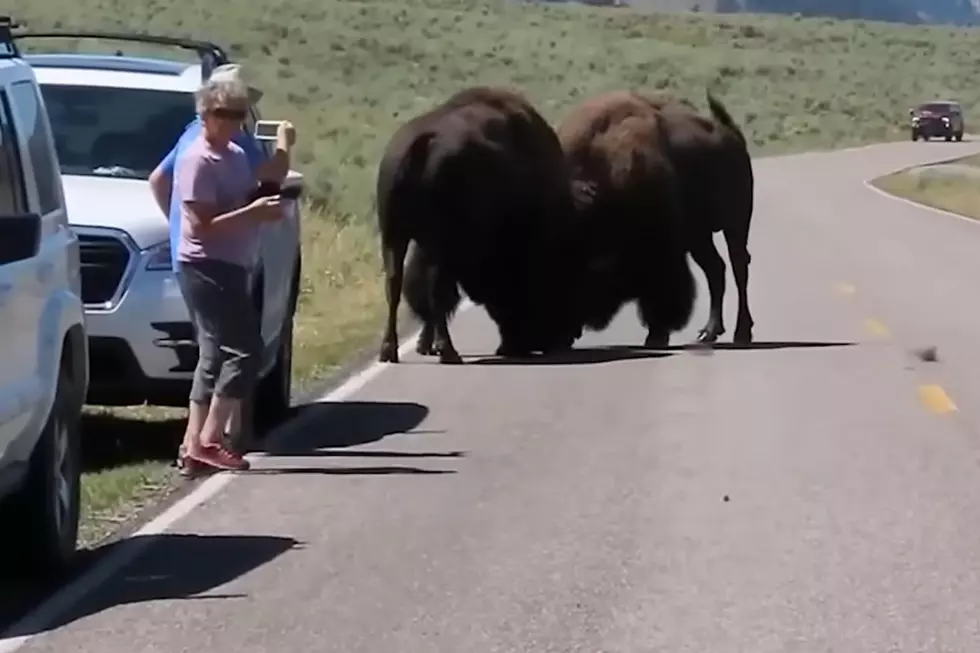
x=667, y=300
x=394, y=264
x=708, y=259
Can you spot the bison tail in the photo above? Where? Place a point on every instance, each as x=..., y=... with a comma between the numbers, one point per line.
x=721, y=114
x=418, y=287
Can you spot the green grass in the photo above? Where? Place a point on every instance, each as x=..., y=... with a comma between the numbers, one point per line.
x=347, y=72
x=971, y=160
x=958, y=194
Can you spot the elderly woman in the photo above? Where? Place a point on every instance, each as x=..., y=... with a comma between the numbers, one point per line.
x=217, y=243
x=272, y=169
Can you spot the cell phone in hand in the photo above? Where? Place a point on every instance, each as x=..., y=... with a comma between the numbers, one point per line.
x=266, y=188
x=291, y=192
x=266, y=130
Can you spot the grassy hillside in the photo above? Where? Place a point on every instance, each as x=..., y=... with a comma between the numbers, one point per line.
x=347, y=72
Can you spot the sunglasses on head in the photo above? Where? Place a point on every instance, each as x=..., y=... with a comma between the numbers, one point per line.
x=224, y=113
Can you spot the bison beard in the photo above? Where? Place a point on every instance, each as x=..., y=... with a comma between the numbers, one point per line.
x=630, y=215
x=479, y=185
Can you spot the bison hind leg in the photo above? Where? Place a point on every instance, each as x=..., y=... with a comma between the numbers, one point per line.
x=431, y=294
x=740, y=258
x=444, y=299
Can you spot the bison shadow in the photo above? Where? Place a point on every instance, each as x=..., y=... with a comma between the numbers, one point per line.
x=164, y=567
x=577, y=356
x=757, y=345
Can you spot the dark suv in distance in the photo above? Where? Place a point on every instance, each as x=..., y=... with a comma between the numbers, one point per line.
x=937, y=118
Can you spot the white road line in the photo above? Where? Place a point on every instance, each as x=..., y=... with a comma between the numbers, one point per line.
x=918, y=205
x=39, y=620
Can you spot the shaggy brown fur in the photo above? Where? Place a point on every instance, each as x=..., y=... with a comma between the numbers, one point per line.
x=629, y=214
x=662, y=179
x=479, y=184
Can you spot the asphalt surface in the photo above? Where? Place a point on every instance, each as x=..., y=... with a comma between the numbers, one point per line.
x=816, y=493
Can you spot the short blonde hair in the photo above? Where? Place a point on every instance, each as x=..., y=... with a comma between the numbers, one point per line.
x=221, y=93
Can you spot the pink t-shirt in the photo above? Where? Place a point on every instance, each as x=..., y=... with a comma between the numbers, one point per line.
x=224, y=179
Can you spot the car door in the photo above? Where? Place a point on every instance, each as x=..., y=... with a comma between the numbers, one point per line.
x=275, y=246
x=18, y=382
x=34, y=278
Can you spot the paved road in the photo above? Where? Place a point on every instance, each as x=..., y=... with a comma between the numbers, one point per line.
x=581, y=507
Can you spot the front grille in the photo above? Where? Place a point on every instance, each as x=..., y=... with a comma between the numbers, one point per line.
x=104, y=260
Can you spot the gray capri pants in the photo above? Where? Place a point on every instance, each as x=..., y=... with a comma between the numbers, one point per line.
x=229, y=336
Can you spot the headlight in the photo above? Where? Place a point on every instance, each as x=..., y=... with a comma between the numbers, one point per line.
x=158, y=256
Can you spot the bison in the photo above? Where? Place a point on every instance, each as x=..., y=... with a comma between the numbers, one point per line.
x=478, y=184
x=630, y=215
x=713, y=164
x=655, y=180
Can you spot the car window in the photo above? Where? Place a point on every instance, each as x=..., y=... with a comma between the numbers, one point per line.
x=115, y=132
x=13, y=193
x=27, y=103
x=935, y=107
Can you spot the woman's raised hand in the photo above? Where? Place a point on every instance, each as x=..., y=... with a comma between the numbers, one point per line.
x=285, y=135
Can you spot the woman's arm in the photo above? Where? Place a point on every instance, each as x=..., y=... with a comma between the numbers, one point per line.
x=276, y=167
x=161, y=181
x=198, y=184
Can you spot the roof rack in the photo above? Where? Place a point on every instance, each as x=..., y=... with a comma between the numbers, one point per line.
x=8, y=49
x=211, y=55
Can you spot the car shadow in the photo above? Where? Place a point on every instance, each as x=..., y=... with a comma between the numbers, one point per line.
x=181, y=566
x=161, y=567
x=338, y=424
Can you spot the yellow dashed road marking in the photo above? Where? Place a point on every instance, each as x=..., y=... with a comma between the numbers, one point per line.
x=875, y=327
x=935, y=399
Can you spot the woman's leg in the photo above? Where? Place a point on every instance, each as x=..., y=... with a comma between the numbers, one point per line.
x=241, y=345
x=193, y=287
x=213, y=289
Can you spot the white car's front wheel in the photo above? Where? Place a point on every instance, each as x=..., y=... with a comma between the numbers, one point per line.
x=41, y=520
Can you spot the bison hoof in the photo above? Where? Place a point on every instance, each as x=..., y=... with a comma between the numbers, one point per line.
x=656, y=340
x=742, y=337
x=450, y=357
x=388, y=354
x=509, y=351
x=425, y=349
x=708, y=336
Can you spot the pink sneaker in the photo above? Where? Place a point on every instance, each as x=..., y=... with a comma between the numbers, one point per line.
x=216, y=455
x=190, y=468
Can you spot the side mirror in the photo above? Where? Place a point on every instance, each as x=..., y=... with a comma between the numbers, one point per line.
x=911, y=112
x=20, y=237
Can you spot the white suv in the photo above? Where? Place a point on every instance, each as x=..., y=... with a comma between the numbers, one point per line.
x=43, y=356
x=114, y=118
